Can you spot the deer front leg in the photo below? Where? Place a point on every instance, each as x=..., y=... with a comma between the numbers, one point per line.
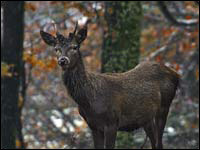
x=110, y=136
x=98, y=138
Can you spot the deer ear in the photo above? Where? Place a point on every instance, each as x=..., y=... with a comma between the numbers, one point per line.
x=81, y=35
x=48, y=38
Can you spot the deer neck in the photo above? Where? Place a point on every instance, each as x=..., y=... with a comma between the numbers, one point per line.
x=77, y=83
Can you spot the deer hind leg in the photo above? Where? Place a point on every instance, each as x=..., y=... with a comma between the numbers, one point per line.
x=161, y=119
x=151, y=131
x=110, y=135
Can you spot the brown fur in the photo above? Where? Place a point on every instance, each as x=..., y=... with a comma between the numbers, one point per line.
x=124, y=101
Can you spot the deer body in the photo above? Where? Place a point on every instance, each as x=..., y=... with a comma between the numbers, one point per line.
x=139, y=98
x=127, y=100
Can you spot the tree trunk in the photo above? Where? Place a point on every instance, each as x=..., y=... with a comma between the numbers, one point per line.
x=121, y=44
x=11, y=54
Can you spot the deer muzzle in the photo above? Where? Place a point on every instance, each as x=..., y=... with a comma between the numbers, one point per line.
x=63, y=61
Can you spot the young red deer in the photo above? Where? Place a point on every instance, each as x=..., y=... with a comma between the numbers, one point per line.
x=115, y=102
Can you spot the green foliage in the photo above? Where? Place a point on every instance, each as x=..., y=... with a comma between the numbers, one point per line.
x=122, y=41
x=125, y=140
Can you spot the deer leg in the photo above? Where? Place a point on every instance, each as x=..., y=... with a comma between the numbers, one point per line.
x=110, y=135
x=161, y=122
x=98, y=138
x=150, y=130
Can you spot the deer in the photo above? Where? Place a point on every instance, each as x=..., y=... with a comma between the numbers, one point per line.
x=112, y=102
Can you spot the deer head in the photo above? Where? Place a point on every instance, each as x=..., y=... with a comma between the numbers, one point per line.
x=66, y=48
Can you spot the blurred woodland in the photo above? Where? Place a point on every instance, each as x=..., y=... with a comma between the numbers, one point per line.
x=36, y=111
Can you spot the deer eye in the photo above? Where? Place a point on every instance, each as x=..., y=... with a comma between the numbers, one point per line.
x=75, y=47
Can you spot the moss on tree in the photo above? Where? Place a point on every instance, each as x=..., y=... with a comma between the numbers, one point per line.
x=121, y=45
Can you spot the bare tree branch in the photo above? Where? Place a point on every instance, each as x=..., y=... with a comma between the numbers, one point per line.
x=169, y=17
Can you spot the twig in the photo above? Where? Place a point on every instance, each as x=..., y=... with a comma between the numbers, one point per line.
x=171, y=40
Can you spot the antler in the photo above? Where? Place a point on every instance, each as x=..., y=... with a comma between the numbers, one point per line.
x=54, y=26
x=76, y=26
x=60, y=38
x=72, y=35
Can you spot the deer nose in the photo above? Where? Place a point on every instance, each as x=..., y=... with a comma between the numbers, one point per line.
x=63, y=61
